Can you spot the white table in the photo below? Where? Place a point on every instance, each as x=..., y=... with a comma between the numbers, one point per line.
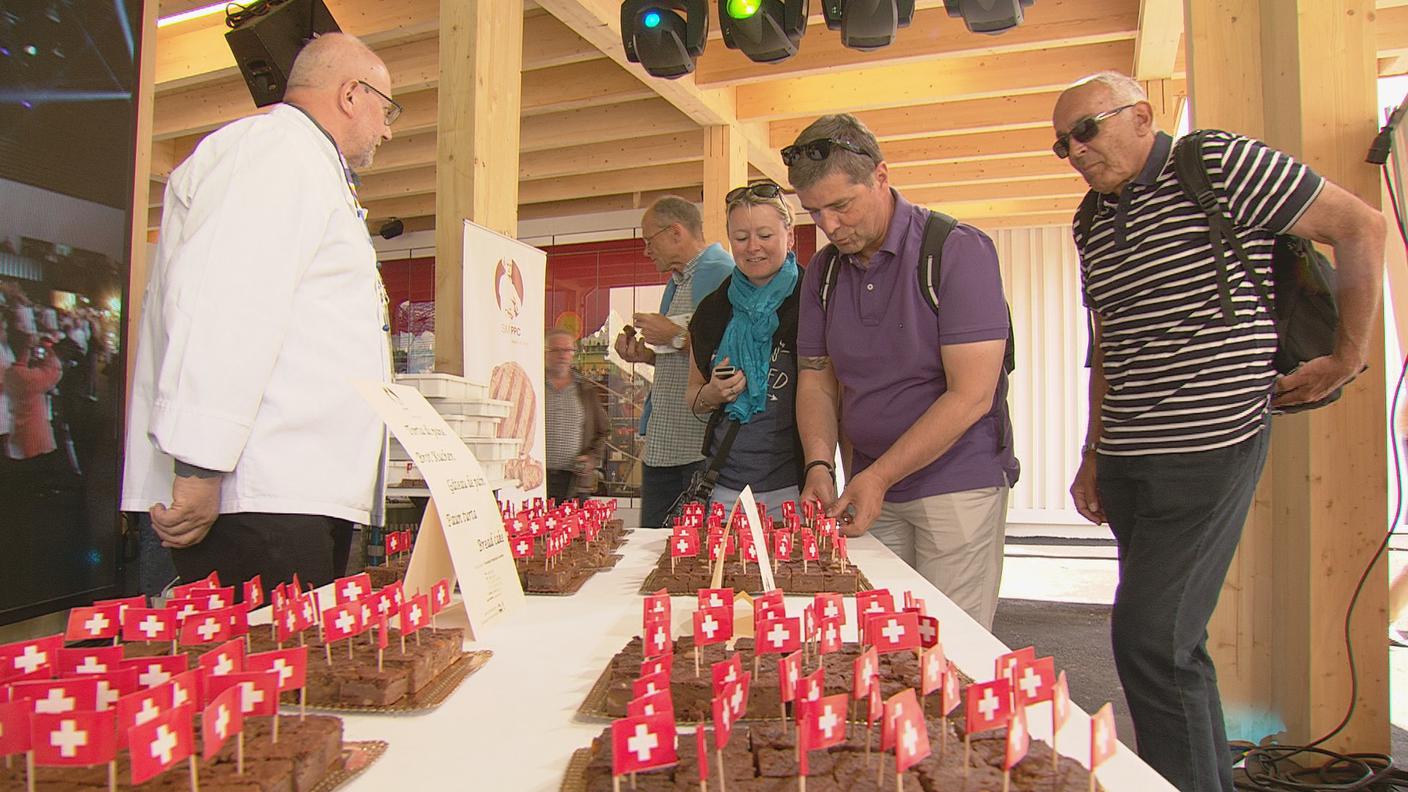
x=513, y=726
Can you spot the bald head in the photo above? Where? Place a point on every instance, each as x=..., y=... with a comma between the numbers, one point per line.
x=1108, y=127
x=330, y=60
x=344, y=86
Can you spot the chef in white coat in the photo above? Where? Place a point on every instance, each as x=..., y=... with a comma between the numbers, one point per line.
x=246, y=441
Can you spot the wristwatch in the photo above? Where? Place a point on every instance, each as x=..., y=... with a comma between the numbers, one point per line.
x=678, y=341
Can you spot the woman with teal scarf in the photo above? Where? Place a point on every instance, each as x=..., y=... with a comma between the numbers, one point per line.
x=749, y=325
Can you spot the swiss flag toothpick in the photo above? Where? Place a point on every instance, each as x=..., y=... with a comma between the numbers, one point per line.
x=99, y=621
x=866, y=668
x=221, y=719
x=778, y=635
x=1006, y=665
x=911, y=733
x=989, y=705
x=642, y=743
x=826, y=722
x=351, y=588
x=928, y=631
x=158, y=745
x=149, y=624
x=73, y=739
x=156, y=671
x=1034, y=681
x=58, y=696
x=1018, y=741
x=893, y=633
x=1060, y=711
x=95, y=660
x=713, y=626
x=932, y=665
x=726, y=672
x=141, y=708
x=26, y=658
x=829, y=636
x=650, y=704
x=14, y=727
x=254, y=592
x=1103, y=742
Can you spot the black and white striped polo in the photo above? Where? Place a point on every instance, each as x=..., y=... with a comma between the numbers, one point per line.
x=1180, y=378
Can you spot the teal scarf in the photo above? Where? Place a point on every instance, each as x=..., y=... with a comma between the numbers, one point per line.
x=747, y=341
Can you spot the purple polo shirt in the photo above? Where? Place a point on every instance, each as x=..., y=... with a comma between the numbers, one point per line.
x=883, y=341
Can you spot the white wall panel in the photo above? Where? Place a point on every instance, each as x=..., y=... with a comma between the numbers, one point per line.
x=1047, y=392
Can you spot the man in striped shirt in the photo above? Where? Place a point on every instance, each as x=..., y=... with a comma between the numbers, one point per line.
x=1180, y=397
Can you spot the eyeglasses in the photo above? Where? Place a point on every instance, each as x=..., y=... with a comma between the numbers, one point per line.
x=1083, y=131
x=651, y=238
x=818, y=150
x=393, y=108
x=763, y=190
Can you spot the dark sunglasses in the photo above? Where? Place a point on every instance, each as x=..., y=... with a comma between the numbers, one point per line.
x=764, y=190
x=392, y=109
x=818, y=150
x=1083, y=131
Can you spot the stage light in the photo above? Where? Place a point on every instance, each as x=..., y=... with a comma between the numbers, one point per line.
x=664, y=36
x=988, y=16
x=766, y=31
x=867, y=24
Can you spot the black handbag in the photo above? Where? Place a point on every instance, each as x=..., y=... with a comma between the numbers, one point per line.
x=701, y=484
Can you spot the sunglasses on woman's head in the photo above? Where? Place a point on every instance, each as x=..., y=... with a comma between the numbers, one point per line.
x=818, y=150
x=765, y=190
x=1083, y=131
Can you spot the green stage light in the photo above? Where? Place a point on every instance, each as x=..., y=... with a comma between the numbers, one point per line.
x=743, y=9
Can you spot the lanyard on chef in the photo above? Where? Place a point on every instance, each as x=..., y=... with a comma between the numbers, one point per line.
x=350, y=176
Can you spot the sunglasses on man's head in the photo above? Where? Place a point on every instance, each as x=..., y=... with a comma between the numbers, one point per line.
x=1083, y=131
x=763, y=190
x=818, y=150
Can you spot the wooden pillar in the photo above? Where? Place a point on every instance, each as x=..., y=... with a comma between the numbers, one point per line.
x=476, y=178
x=137, y=241
x=725, y=167
x=1300, y=74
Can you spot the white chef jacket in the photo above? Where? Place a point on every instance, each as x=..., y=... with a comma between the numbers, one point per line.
x=263, y=307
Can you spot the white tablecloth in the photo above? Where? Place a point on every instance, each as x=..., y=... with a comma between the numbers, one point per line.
x=513, y=725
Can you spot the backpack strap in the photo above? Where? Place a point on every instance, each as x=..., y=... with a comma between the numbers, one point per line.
x=828, y=275
x=931, y=255
x=1085, y=215
x=1192, y=174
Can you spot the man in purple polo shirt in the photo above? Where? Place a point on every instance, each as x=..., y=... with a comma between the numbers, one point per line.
x=921, y=393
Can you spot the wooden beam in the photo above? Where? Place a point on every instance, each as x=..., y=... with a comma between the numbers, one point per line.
x=193, y=52
x=560, y=88
x=972, y=146
x=599, y=21
x=725, y=167
x=1010, y=169
x=142, y=153
x=581, y=85
x=481, y=88
x=1156, y=45
x=1167, y=98
x=603, y=123
x=1024, y=111
x=933, y=35
x=1003, y=207
x=419, y=177
x=1391, y=29
x=613, y=155
x=606, y=203
x=913, y=84
x=990, y=224
x=660, y=177
x=1067, y=187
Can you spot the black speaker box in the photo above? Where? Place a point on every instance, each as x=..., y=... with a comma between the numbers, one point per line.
x=266, y=44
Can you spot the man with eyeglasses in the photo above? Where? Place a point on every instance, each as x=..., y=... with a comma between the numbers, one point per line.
x=247, y=448
x=1180, y=393
x=673, y=229
x=919, y=390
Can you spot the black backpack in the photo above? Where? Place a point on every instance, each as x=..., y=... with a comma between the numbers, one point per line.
x=931, y=251
x=1302, y=296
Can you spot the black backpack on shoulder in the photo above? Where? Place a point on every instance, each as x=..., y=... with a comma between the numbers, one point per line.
x=931, y=253
x=1302, y=295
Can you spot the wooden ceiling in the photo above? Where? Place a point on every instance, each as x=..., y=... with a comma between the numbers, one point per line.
x=963, y=119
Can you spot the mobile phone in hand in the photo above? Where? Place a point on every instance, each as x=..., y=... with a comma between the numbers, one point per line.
x=724, y=372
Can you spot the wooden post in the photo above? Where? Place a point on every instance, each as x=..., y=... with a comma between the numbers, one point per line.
x=141, y=185
x=476, y=176
x=1321, y=508
x=725, y=167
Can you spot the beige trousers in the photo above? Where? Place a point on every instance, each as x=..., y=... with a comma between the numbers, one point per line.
x=954, y=541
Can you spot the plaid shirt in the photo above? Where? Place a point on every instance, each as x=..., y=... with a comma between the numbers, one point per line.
x=674, y=436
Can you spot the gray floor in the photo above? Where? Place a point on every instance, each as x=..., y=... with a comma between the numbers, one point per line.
x=1055, y=596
